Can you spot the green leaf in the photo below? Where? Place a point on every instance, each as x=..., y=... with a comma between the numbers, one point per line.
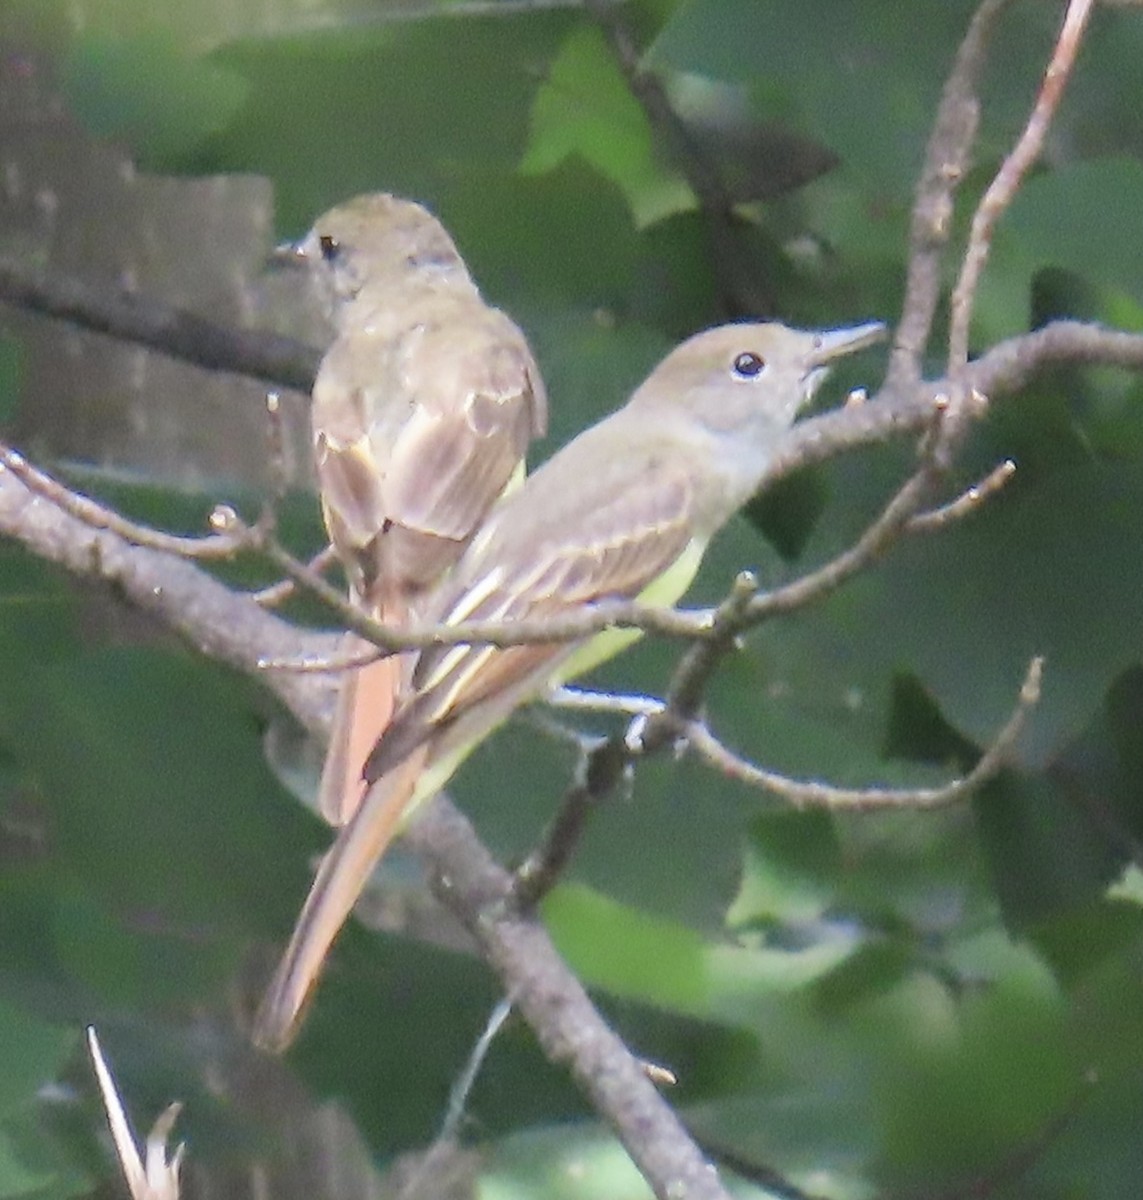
x=817, y=67
x=162, y=811
x=1080, y=216
x=585, y=107
x=33, y=1051
x=1051, y=567
x=639, y=956
x=359, y=107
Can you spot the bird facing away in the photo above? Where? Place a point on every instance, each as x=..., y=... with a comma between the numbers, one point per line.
x=624, y=511
x=423, y=408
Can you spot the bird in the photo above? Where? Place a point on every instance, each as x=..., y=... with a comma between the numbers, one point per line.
x=624, y=511
x=422, y=410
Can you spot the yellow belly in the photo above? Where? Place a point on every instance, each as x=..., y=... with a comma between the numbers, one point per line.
x=664, y=591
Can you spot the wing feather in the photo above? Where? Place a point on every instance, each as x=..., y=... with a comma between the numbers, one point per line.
x=411, y=460
x=604, y=546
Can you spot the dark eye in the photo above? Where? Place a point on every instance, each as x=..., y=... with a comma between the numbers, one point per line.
x=330, y=247
x=748, y=365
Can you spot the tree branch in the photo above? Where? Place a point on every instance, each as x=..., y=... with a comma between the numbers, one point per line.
x=234, y=629
x=221, y=624
x=145, y=321
x=555, y=1005
x=1003, y=188
x=741, y=292
x=946, y=161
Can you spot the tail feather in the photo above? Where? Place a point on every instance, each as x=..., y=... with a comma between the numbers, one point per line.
x=364, y=708
x=339, y=881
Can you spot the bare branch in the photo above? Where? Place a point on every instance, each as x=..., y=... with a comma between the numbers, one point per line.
x=462, y=1088
x=800, y=794
x=1008, y=366
x=220, y=623
x=701, y=660
x=614, y=703
x=174, y=332
x=608, y=762
x=233, y=629
x=1002, y=190
x=599, y=772
x=1003, y=370
x=279, y=593
x=946, y=161
x=893, y=520
x=150, y=1175
x=557, y=1008
x=97, y=516
x=968, y=502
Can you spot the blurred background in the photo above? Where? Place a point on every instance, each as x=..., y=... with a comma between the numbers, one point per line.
x=914, y=1003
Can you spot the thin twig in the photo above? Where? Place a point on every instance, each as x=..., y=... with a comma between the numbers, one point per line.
x=1002, y=190
x=324, y=664
x=741, y=291
x=615, y=703
x=604, y=767
x=698, y=665
x=876, y=539
x=598, y=773
x=946, y=161
x=278, y=593
x=97, y=516
x=150, y=1174
x=1005, y=369
x=276, y=447
x=218, y=622
x=800, y=794
x=462, y=1087
x=968, y=502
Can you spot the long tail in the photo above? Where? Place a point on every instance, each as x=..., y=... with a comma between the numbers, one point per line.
x=340, y=879
x=364, y=707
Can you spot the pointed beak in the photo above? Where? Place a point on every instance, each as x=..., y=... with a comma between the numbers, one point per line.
x=286, y=255
x=834, y=343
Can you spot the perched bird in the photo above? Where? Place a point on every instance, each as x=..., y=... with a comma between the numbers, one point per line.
x=623, y=511
x=423, y=408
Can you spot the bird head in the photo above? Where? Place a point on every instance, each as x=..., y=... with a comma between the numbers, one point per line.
x=375, y=239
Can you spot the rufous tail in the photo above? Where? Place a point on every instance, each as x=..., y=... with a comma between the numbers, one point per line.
x=365, y=707
x=340, y=879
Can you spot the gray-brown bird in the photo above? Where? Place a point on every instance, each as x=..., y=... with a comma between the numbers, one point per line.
x=423, y=409
x=624, y=511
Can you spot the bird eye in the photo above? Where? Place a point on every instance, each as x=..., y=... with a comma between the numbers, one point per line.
x=749, y=365
x=330, y=247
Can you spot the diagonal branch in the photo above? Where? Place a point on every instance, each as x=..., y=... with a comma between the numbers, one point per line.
x=175, y=332
x=555, y=1005
x=236, y=630
x=1002, y=190
x=946, y=161
x=219, y=623
x=741, y=292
